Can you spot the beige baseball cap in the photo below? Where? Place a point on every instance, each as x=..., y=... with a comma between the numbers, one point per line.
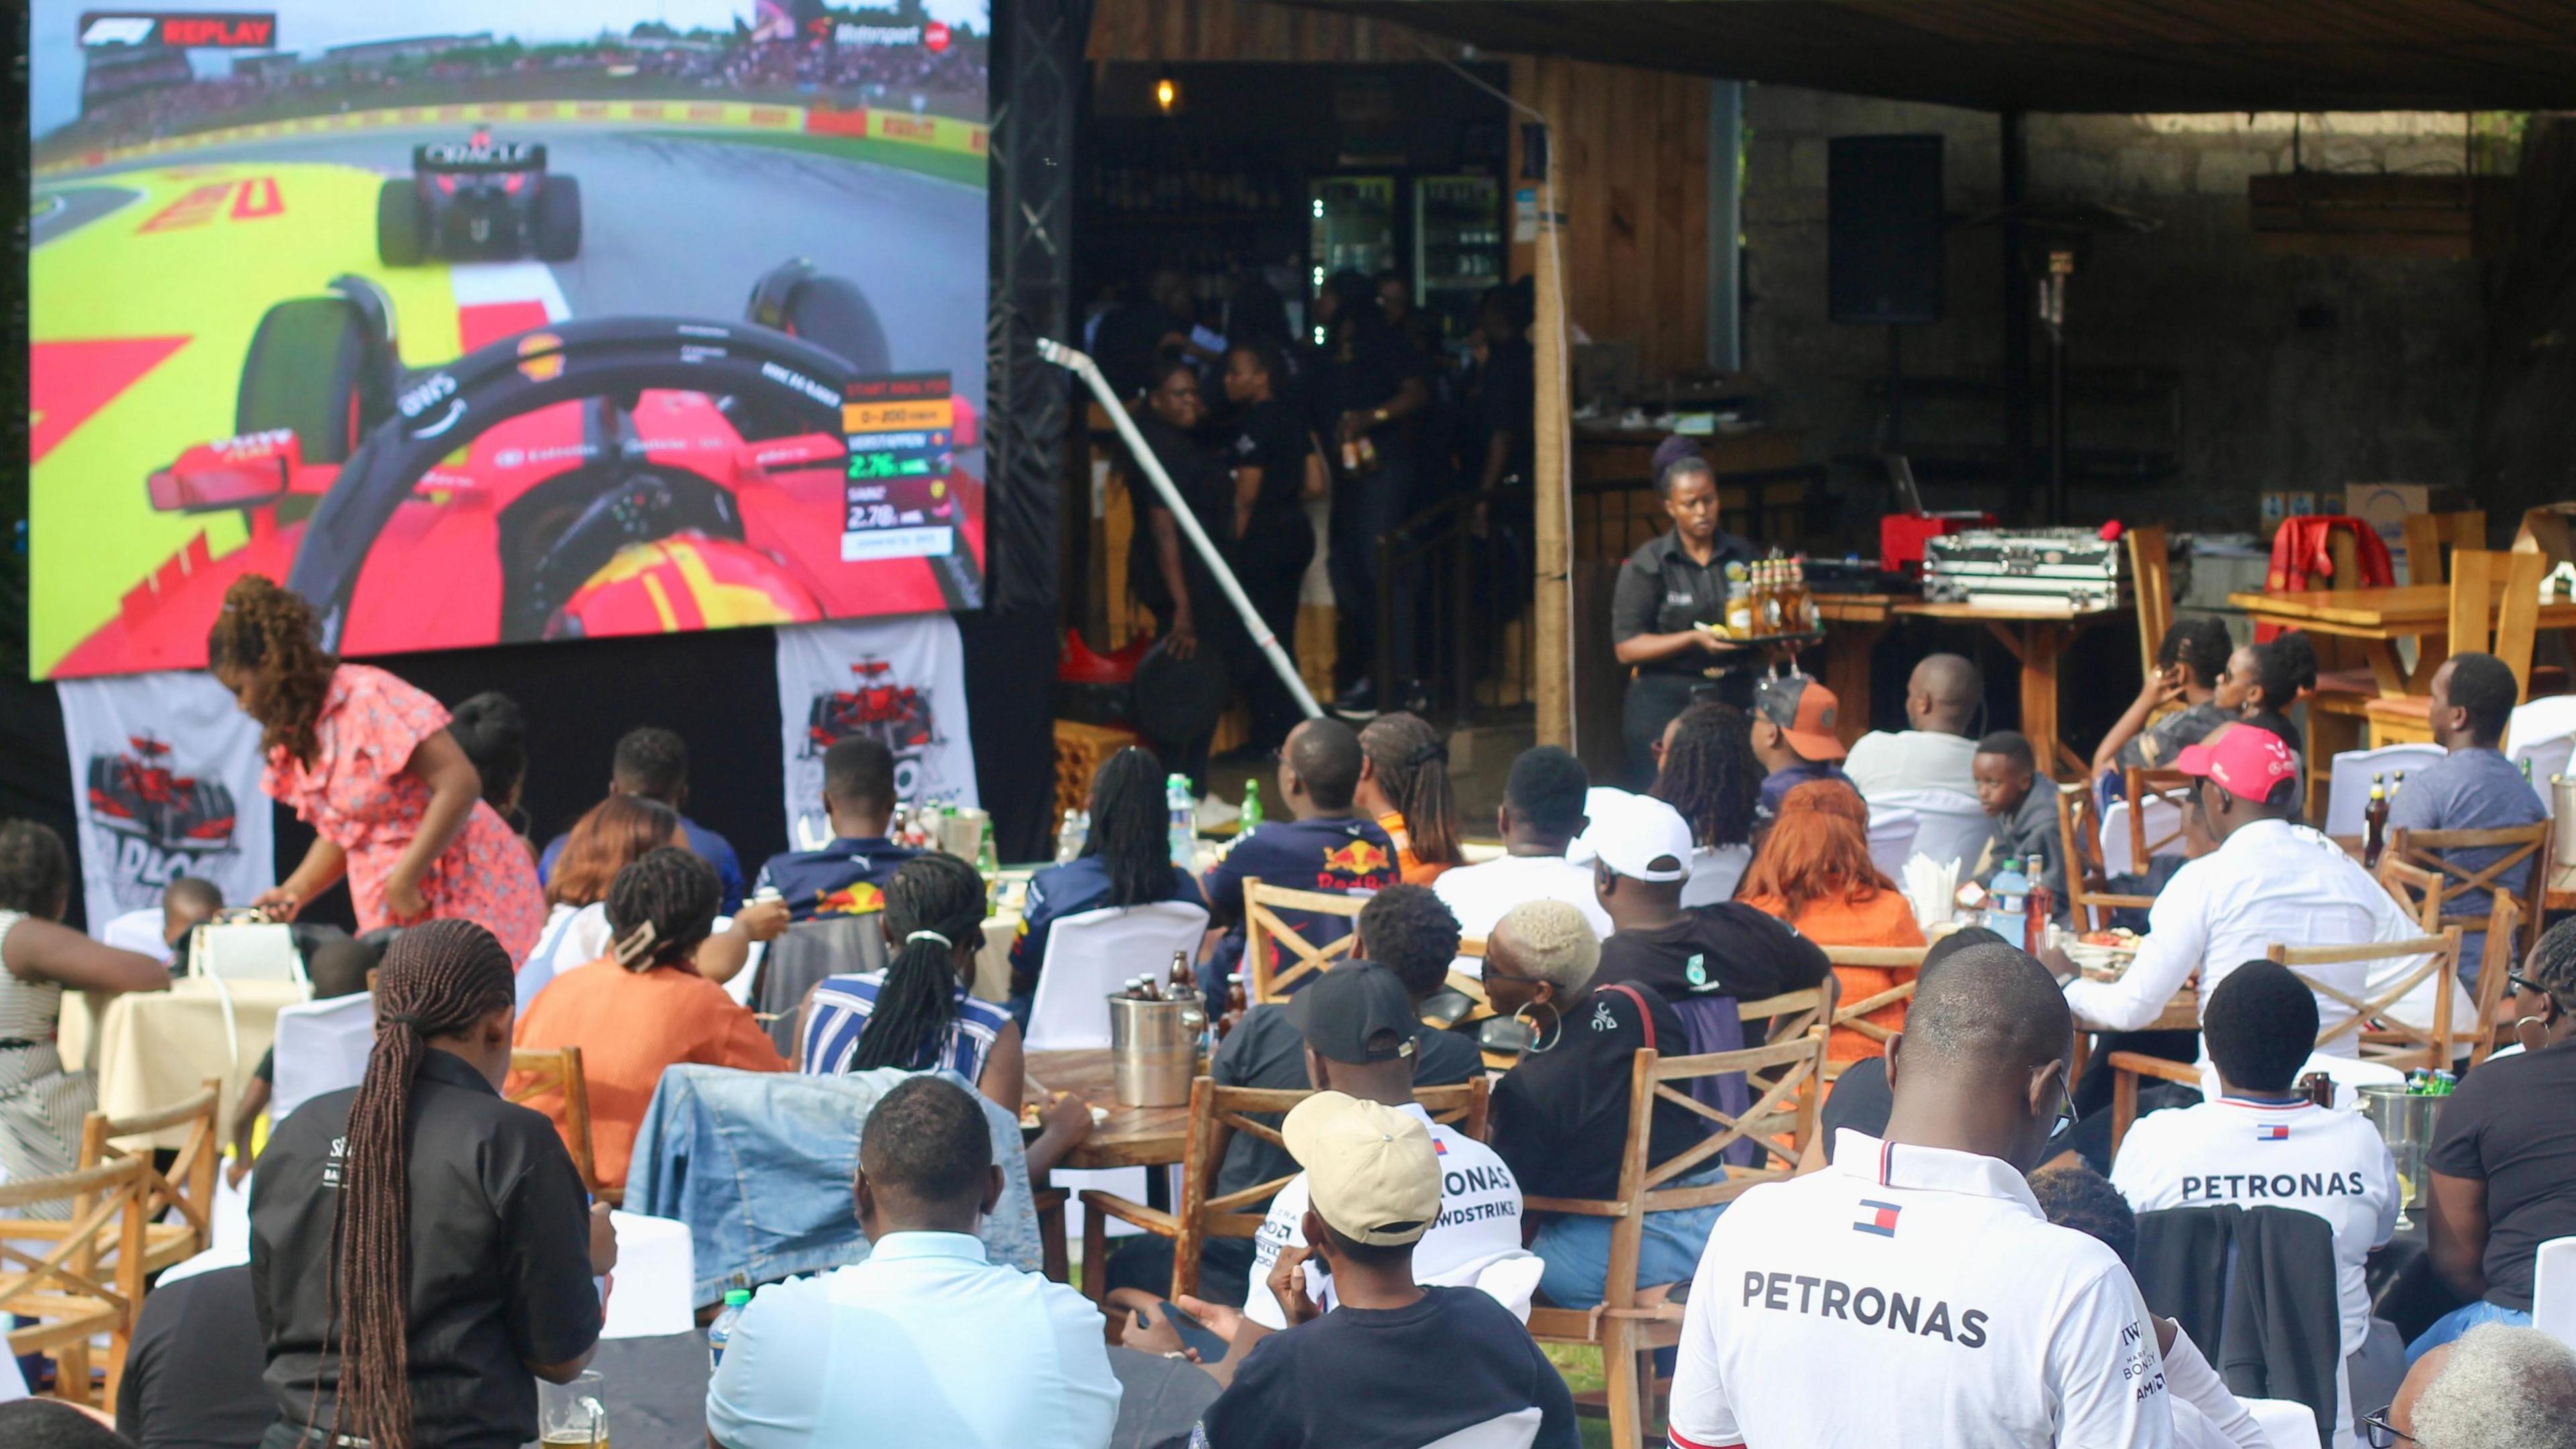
x=1371, y=1172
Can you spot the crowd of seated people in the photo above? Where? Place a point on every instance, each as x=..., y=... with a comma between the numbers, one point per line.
x=1385, y=1290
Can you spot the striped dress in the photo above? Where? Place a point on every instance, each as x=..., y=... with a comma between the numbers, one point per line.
x=41, y=1105
x=840, y=1015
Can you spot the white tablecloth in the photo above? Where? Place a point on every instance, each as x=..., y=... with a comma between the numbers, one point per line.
x=154, y=1047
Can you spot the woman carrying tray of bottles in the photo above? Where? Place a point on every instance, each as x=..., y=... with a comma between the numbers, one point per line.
x=1673, y=585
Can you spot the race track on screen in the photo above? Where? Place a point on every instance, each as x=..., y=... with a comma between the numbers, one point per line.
x=147, y=280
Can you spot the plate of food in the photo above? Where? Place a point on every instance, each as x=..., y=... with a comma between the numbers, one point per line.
x=2104, y=955
x=1029, y=1113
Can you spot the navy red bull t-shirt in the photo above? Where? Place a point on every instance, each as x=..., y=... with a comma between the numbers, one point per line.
x=844, y=878
x=1340, y=855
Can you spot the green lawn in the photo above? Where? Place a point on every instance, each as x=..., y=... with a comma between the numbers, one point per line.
x=928, y=160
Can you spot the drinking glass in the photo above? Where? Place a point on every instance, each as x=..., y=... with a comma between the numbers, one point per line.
x=570, y=1416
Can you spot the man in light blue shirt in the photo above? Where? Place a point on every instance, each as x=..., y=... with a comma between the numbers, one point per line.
x=926, y=1342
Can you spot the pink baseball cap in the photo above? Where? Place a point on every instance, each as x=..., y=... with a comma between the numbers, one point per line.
x=2246, y=761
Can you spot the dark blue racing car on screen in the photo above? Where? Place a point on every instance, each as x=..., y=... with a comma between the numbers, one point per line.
x=478, y=199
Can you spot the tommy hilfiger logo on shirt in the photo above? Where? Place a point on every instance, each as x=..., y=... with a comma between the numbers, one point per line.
x=2272, y=1132
x=1882, y=1221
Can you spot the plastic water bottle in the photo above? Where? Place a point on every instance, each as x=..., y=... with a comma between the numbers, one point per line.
x=1252, y=808
x=1068, y=838
x=1183, y=829
x=722, y=1328
x=2007, y=904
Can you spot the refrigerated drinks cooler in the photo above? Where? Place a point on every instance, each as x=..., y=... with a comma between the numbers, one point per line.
x=1444, y=232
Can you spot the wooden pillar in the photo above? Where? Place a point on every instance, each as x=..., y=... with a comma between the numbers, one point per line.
x=1553, y=646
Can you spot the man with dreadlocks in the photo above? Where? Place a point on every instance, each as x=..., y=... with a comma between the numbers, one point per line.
x=643, y=1007
x=1705, y=768
x=1404, y=786
x=421, y=1250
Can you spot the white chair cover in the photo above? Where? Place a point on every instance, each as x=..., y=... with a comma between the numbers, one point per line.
x=649, y=1294
x=2288, y=1423
x=140, y=933
x=1891, y=839
x=2350, y=781
x=1951, y=828
x=2553, y=1289
x=321, y=1047
x=1090, y=953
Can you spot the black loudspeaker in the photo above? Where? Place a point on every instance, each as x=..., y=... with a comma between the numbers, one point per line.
x=1883, y=229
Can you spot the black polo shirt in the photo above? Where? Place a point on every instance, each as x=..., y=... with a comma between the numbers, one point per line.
x=192, y=1378
x=1271, y=437
x=499, y=1260
x=1662, y=590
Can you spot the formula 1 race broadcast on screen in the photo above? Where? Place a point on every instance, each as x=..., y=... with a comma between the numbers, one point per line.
x=488, y=321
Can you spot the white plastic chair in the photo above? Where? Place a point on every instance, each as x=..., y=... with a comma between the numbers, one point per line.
x=2163, y=819
x=1090, y=953
x=2288, y=1423
x=1891, y=839
x=138, y=932
x=2553, y=1289
x=322, y=1047
x=1715, y=872
x=2543, y=732
x=2349, y=785
x=1950, y=827
x=657, y=1269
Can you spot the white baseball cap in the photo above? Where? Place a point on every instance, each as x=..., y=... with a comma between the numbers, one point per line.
x=1630, y=833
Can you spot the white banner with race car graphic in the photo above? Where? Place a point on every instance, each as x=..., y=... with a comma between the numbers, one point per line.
x=165, y=775
x=900, y=681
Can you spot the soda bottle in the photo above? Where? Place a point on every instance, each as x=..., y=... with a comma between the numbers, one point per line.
x=1251, y=807
x=1182, y=829
x=2374, y=824
x=2038, y=907
x=722, y=1328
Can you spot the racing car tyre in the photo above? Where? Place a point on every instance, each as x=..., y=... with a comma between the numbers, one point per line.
x=833, y=314
x=398, y=223
x=307, y=370
x=559, y=220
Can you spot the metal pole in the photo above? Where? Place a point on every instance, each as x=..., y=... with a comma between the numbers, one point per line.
x=1083, y=367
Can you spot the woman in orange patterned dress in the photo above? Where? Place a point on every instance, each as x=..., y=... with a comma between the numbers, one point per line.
x=366, y=760
x=1814, y=872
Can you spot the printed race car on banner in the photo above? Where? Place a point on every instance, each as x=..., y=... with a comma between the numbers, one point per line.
x=621, y=475
x=478, y=198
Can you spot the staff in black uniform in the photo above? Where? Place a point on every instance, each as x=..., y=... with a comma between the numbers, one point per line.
x=1278, y=465
x=1673, y=583
x=1163, y=568
x=422, y=1252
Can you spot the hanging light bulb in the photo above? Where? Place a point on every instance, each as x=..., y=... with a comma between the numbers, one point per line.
x=1167, y=95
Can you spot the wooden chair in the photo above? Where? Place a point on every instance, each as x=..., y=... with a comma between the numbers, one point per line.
x=2473, y=595
x=533, y=1074
x=59, y=1297
x=1052, y=1258
x=2428, y=533
x=1216, y=1114
x=1854, y=1015
x=1792, y=1014
x=1262, y=926
x=2418, y=869
x=1635, y=1319
x=2140, y=786
x=2384, y=1038
x=186, y=1192
x=2126, y=1069
x=2089, y=897
x=2151, y=580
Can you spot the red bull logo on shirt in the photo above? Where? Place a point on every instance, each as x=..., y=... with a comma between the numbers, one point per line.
x=858, y=898
x=1881, y=1220
x=1360, y=857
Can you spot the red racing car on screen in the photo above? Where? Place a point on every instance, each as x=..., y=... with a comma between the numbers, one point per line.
x=138, y=794
x=624, y=475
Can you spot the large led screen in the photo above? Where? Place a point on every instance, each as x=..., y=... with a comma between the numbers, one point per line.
x=483, y=321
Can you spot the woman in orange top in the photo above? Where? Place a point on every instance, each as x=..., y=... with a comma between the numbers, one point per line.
x=655, y=1012
x=1404, y=784
x=1814, y=872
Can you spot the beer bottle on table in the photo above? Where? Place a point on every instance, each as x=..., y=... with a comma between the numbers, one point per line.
x=2374, y=824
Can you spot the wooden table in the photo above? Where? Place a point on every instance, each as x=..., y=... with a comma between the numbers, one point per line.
x=1132, y=1136
x=2375, y=619
x=2036, y=637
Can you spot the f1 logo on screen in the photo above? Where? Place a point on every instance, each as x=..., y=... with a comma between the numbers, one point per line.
x=198, y=30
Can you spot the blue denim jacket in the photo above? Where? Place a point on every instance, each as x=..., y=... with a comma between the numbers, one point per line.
x=759, y=1165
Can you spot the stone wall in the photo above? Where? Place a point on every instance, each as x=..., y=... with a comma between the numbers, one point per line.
x=2292, y=372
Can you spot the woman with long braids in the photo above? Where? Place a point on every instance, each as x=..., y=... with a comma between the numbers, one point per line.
x=421, y=1250
x=916, y=1014
x=42, y=1105
x=1705, y=768
x=1126, y=860
x=644, y=1006
x=1404, y=783
x=367, y=761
